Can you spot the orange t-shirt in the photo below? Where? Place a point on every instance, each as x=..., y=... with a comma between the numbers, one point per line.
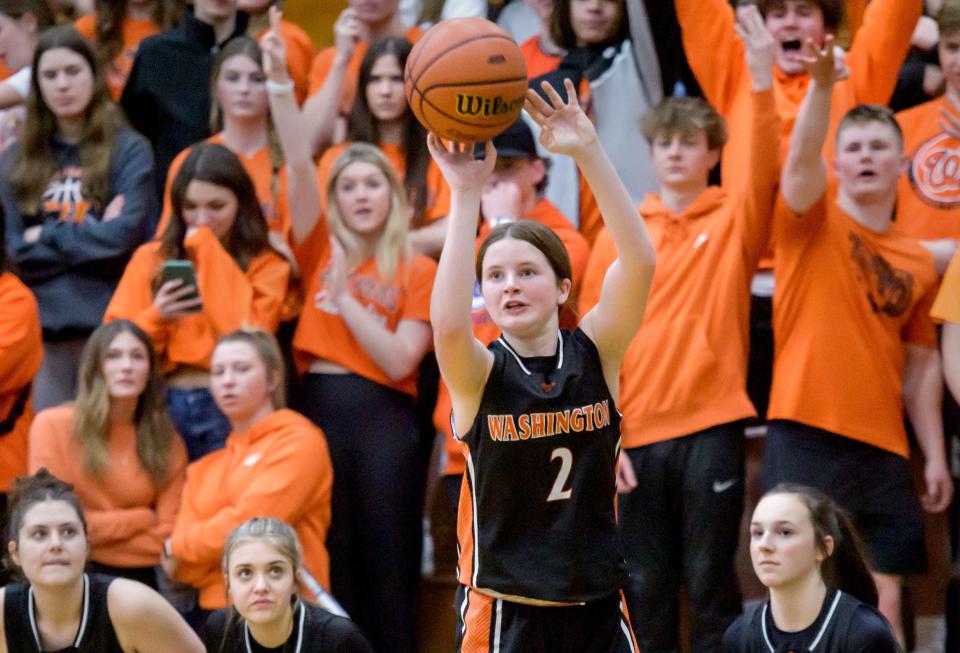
x=323, y=62
x=231, y=298
x=486, y=331
x=132, y=32
x=270, y=184
x=21, y=351
x=928, y=198
x=538, y=62
x=716, y=56
x=279, y=468
x=322, y=333
x=438, y=193
x=128, y=516
x=847, y=298
x=946, y=308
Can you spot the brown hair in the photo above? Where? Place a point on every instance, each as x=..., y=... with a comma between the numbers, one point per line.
x=268, y=351
x=948, y=20
x=217, y=165
x=39, y=9
x=540, y=236
x=832, y=10
x=36, y=163
x=28, y=491
x=110, y=15
x=686, y=116
x=92, y=408
x=867, y=113
x=561, y=26
x=844, y=568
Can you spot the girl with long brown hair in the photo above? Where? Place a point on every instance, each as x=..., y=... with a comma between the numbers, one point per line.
x=116, y=29
x=117, y=447
x=77, y=201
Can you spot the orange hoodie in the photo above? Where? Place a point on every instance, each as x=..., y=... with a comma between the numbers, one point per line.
x=231, y=298
x=128, y=516
x=279, y=468
x=21, y=351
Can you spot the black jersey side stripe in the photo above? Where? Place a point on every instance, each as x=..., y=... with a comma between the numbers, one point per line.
x=826, y=622
x=497, y=624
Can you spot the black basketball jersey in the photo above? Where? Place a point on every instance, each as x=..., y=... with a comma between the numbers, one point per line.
x=844, y=624
x=537, y=518
x=94, y=635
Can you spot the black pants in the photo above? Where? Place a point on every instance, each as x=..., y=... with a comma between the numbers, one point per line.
x=680, y=527
x=375, y=535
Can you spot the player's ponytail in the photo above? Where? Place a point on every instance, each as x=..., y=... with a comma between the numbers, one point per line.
x=843, y=568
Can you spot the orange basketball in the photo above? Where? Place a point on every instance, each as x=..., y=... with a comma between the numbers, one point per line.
x=465, y=79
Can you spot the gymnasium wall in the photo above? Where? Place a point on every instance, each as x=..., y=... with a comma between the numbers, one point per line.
x=316, y=17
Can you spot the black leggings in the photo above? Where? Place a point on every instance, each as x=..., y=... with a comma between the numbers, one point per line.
x=375, y=535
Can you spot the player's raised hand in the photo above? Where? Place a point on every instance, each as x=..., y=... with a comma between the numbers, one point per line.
x=821, y=62
x=564, y=127
x=274, y=50
x=760, y=46
x=460, y=168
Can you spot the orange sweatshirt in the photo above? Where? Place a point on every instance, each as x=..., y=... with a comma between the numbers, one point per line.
x=716, y=56
x=279, y=468
x=128, y=516
x=231, y=298
x=21, y=351
x=132, y=33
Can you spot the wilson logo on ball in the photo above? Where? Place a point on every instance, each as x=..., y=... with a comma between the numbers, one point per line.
x=935, y=171
x=474, y=105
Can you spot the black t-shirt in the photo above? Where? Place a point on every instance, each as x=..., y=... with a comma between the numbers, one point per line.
x=844, y=625
x=95, y=633
x=314, y=631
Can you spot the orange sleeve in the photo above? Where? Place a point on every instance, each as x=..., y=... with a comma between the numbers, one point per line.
x=761, y=185
x=439, y=194
x=946, y=308
x=854, y=12
x=880, y=47
x=713, y=50
x=920, y=329
x=168, y=498
x=86, y=26
x=133, y=298
x=590, y=219
x=172, y=171
x=269, y=275
x=422, y=271
x=288, y=477
x=21, y=345
x=602, y=256
x=300, y=56
x=224, y=288
x=321, y=66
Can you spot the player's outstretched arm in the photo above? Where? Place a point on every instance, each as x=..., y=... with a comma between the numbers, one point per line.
x=464, y=362
x=146, y=623
x=302, y=193
x=565, y=129
x=804, y=178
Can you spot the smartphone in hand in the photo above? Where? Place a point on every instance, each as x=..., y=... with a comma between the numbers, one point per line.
x=183, y=270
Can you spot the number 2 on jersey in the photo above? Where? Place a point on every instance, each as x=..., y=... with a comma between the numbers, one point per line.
x=558, y=492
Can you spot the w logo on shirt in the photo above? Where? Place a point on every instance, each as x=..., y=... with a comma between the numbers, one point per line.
x=889, y=290
x=63, y=198
x=935, y=172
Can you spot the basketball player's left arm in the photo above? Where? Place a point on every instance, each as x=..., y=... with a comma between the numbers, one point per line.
x=146, y=623
x=612, y=323
x=922, y=395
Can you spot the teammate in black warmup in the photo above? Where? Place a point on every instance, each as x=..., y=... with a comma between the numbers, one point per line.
x=822, y=596
x=61, y=608
x=540, y=566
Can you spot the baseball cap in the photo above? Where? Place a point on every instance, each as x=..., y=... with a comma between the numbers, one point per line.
x=516, y=141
